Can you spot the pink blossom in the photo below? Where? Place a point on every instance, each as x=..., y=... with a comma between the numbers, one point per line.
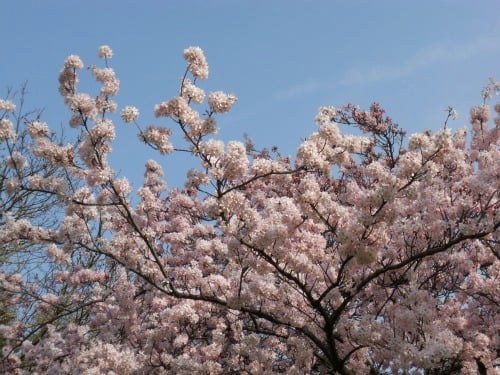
x=38, y=129
x=73, y=62
x=17, y=161
x=213, y=148
x=110, y=87
x=325, y=115
x=220, y=102
x=196, y=178
x=83, y=104
x=235, y=161
x=105, y=104
x=158, y=137
x=122, y=187
x=87, y=276
x=197, y=63
x=177, y=108
x=480, y=113
x=106, y=76
x=7, y=106
x=103, y=130
x=129, y=114
x=68, y=80
x=191, y=92
x=105, y=52
x=209, y=126
x=12, y=185
x=58, y=255
x=6, y=130
x=54, y=184
x=181, y=340
x=58, y=155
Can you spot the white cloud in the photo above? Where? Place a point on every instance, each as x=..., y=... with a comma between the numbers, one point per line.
x=299, y=90
x=422, y=59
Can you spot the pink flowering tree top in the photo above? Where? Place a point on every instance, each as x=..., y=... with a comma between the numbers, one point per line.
x=370, y=254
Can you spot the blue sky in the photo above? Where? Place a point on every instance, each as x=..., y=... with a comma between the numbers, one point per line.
x=282, y=58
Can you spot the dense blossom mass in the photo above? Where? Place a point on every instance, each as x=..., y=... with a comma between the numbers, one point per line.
x=362, y=254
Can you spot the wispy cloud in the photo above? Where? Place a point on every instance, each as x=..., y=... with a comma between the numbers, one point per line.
x=422, y=59
x=300, y=89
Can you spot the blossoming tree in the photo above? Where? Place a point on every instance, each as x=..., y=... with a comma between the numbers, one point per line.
x=361, y=255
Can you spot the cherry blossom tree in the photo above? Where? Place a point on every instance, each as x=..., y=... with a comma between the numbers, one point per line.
x=363, y=254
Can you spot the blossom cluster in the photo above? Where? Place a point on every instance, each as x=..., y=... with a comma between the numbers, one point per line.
x=129, y=114
x=7, y=105
x=191, y=92
x=6, y=129
x=159, y=137
x=198, y=65
x=220, y=102
x=105, y=52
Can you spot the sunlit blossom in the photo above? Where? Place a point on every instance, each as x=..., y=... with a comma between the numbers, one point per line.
x=129, y=114
x=6, y=129
x=7, y=105
x=220, y=102
x=105, y=52
x=73, y=62
x=197, y=63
